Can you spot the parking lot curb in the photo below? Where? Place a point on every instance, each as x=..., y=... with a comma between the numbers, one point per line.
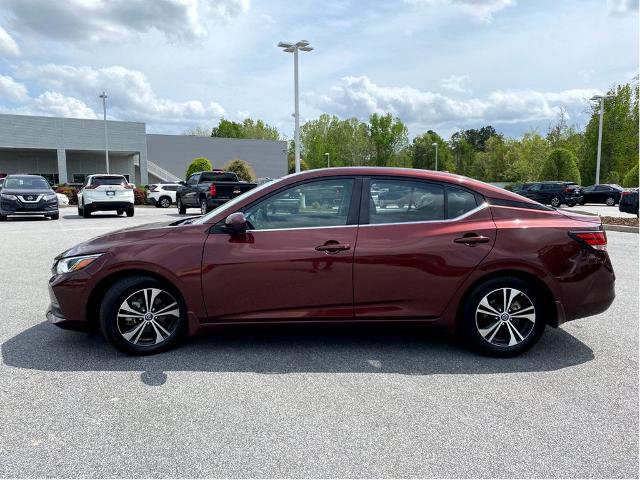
x=620, y=228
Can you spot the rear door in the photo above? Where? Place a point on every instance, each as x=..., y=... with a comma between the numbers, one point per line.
x=410, y=259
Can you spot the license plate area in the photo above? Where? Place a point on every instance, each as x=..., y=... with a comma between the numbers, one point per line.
x=111, y=193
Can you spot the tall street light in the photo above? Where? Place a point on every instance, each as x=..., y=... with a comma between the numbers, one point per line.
x=601, y=99
x=326, y=155
x=434, y=144
x=304, y=46
x=103, y=96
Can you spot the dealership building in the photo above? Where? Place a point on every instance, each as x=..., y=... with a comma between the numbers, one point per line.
x=65, y=150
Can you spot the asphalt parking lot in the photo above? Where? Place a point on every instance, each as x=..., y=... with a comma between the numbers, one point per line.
x=307, y=401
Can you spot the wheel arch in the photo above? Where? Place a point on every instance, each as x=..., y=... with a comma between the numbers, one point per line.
x=549, y=299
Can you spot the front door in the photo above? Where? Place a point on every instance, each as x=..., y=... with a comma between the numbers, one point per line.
x=294, y=262
x=414, y=254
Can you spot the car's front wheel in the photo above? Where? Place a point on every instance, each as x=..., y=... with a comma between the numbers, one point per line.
x=130, y=211
x=503, y=317
x=610, y=201
x=165, y=202
x=181, y=208
x=555, y=201
x=141, y=315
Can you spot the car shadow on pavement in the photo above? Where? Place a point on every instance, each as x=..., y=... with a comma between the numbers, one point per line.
x=402, y=349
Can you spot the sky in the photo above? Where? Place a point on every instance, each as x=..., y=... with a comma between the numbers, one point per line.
x=443, y=65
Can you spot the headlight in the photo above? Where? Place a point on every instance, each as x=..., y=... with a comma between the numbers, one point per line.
x=6, y=196
x=73, y=264
x=53, y=196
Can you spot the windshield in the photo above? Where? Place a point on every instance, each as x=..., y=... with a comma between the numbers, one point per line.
x=230, y=205
x=26, y=183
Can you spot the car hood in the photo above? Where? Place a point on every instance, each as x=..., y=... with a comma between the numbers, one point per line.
x=120, y=238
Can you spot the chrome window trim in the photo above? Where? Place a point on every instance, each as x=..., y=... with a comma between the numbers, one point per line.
x=448, y=220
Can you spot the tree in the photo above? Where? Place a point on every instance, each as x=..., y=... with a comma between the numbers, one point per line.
x=242, y=169
x=388, y=135
x=200, y=164
x=197, y=132
x=423, y=153
x=560, y=165
x=630, y=180
x=248, y=129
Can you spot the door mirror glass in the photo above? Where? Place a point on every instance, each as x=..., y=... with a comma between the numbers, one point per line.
x=236, y=223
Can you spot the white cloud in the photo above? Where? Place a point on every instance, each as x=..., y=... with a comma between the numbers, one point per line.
x=454, y=83
x=8, y=45
x=115, y=20
x=130, y=96
x=358, y=96
x=12, y=90
x=620, y=8
x=57, y=105
x=482, y=10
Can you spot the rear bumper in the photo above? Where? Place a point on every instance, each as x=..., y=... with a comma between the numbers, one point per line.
x=104, y=206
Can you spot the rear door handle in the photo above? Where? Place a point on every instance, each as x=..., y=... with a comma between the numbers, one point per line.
x=472, y=240
x=333, y=247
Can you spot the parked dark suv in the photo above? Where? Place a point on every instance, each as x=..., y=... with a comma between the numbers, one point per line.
x=629, y=201
x=554, y=193
x=27, y=195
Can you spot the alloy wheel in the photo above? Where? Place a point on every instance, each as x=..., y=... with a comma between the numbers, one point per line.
x=555, y=202
x=203, y=207
x=611, y=201
x=148, y=317
x=505, y=317
x=165, y=203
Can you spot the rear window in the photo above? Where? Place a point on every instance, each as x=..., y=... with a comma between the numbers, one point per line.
x=218, y=177
x=459, y=202
x=109, y=181
x=170, y=188
x=26, y=183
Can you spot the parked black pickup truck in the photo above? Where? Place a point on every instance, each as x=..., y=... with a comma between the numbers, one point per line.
x=208, y=190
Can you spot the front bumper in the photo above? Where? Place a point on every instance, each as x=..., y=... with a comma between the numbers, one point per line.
x=15, y=207
x=56, y=317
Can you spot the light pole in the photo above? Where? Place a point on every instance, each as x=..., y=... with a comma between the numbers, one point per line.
x=601, y=99
x=103, y=96
x=434, y=144
x=327, y=157
x=293, y=48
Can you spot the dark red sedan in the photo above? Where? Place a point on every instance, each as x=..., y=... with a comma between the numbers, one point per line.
x=448, y=251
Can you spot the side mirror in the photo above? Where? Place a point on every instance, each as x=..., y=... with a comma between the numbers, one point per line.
x=236, y=223
x=182, y=182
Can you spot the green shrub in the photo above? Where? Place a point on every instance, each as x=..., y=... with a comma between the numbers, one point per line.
x=292, y=165
x=613, y=178
x=630, y=180
x=561, y=164
x=200, y=164
x=242, y=169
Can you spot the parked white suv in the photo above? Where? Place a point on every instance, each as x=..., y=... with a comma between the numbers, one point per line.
x=104, y=192
x=162, y=195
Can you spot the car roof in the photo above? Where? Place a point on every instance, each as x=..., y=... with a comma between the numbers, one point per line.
x=24, y=175
x=438, y=176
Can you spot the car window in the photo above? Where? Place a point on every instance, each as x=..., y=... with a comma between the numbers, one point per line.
x=534, y=188
x=218, y=177
x=548, y=186
x=108, y=181
x=401, y=201
x=459, y=202
x=588, y=189
x=170, y=188
x=322, y=203
x=602, y=188
x=25, y=183
x=193, y=179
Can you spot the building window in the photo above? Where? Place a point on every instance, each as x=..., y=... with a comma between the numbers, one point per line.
x=79, y=177
x=52, y=178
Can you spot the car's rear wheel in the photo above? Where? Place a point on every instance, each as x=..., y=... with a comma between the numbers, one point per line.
x=3, y=218
x=142, y=315
x=130, y=211
x=503, y=317
x=610, y=201
x=86, y=213
x=555, y=201
x=80, y=211
x=203, y=206
x=181, y=208
x=165, y=202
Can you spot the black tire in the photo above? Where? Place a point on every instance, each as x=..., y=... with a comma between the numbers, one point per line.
x=555, y=201
x=112, y=325
x=571, y=204
x=119, y=212
x=181, y=208
x=80, y=211
x=130, y=211
x=3, y=218
x=55, y=216
x=164, y=202
x=203, y=206
x=498, y=333
x=610, y=201
x=86, y=213
x=583, y=202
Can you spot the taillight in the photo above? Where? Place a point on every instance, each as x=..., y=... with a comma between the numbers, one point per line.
x=568, y=190
x=624, y=194
x=596, y=239
x=212, y=190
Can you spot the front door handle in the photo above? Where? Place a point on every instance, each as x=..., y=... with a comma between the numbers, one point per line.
x=333, y=247
x=472, y=240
